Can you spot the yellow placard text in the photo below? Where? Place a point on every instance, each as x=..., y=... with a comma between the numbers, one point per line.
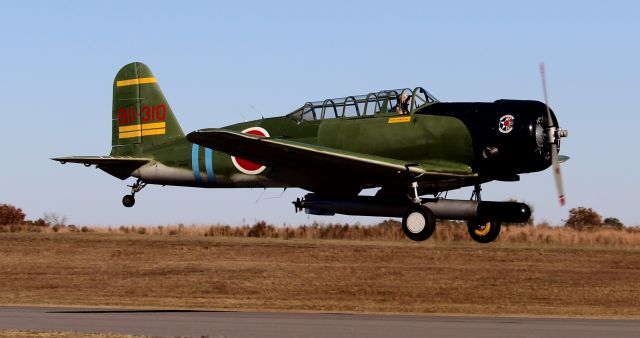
x=399, y=119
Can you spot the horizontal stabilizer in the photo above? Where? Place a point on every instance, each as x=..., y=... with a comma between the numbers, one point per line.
x=120, y=167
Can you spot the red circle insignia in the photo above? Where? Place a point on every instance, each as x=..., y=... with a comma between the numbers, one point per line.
x=249, y=167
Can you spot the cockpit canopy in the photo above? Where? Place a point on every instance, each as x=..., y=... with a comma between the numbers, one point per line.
x=363, y=105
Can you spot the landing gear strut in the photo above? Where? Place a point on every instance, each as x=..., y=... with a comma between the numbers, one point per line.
x=416, y=198
x=476, y=193
x=482, y=231
x=129, y=200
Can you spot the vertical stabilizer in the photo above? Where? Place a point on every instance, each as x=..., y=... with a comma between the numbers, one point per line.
x=141, y=116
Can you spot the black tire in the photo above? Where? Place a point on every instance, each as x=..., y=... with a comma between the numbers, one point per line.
x=484, y=232
x=128, y=201
x=418, y=223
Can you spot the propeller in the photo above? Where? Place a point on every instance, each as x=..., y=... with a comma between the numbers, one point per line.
x=553, y=136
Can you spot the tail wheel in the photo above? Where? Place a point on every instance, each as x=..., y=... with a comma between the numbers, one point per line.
x=418, y=223
x=484, y=232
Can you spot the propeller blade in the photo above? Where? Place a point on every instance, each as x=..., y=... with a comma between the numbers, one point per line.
x=553, y=142
x=555, y=164
x=546, y=99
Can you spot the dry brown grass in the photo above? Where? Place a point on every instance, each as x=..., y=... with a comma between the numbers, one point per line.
x=41, y=334
x=388, y=230
x=131, y=270
x=391, y=230
x=544, y=234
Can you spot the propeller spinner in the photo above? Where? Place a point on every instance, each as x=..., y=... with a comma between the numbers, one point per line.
x=554, y=134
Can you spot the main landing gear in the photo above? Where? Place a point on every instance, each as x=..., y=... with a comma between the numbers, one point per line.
x=482, y=231
x=129, y=200
x=418, y=222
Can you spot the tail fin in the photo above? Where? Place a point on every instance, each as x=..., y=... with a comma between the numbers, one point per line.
x=141, y=116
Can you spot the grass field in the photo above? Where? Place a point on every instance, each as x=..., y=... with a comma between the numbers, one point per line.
x=153, y=271
x=39, y=334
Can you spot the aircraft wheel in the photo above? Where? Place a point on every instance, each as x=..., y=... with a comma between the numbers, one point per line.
x=483, y=232
x=128, y=201
x=418, y=223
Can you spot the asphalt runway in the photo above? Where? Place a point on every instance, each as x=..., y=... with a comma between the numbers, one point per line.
x=266, y=325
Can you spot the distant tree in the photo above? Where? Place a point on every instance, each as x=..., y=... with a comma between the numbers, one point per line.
x=613, y=222
x=10, y=215
x=37, y=223
x=53, y=219
x=261, y=229
x=40, y=222
x=582, y=218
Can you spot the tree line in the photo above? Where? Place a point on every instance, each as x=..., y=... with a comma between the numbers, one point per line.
x=580, y=218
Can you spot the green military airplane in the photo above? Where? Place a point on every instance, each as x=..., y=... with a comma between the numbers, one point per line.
x=403, y=141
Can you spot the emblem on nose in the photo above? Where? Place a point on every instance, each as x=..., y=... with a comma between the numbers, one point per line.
x=506, y=124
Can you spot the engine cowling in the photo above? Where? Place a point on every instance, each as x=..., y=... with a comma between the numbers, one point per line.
x=509, y=136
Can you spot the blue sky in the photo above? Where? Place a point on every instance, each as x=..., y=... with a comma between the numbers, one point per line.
x=214, y=60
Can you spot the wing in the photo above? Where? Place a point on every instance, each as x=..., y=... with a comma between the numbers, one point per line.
x=120, y=167
x=308, y=159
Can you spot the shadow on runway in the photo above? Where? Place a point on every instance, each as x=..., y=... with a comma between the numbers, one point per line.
x=140, y=311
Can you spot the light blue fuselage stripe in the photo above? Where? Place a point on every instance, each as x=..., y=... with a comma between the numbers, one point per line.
x=208, y=162
x=195, y=165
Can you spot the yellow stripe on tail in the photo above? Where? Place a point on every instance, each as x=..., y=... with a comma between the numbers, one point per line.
x=147, y=129
x=132, y=82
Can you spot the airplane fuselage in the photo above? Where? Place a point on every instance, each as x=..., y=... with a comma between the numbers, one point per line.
x=441, y=132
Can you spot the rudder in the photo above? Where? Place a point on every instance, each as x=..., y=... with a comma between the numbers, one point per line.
x=141, y=115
